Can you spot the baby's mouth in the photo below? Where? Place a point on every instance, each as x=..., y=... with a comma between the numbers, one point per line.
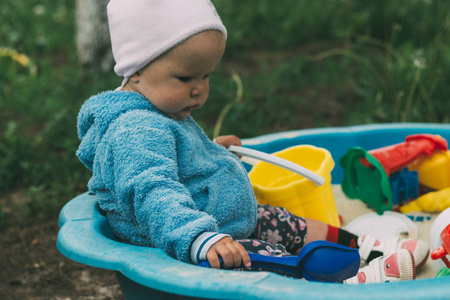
x=191, y=108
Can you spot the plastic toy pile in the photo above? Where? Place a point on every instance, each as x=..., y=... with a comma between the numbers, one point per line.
x=409, y=176
x=440, y=241
x=442, y=251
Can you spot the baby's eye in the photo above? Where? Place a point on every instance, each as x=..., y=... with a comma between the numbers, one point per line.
x=184, y=78
x=206, y=76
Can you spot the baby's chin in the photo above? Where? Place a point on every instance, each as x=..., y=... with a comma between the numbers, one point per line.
x=179, y=116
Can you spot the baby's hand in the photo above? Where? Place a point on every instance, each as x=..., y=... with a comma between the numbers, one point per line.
x=228, y=140
x=232, y=253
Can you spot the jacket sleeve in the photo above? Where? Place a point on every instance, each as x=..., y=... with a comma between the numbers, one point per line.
x=143, y=160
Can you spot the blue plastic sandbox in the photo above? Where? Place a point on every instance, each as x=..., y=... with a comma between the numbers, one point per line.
x=148, y=273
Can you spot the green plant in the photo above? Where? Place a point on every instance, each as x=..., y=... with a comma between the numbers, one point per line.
x=227, y=108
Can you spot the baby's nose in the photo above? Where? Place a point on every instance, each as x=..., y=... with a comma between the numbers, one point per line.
x=198, y=88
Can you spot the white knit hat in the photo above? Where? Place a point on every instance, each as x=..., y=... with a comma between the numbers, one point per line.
x=142, y=30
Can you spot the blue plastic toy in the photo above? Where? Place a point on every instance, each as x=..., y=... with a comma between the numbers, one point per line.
x=405, y=187
x=148, y=273
x=317, y=261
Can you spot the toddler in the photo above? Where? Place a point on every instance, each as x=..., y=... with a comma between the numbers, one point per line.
x=159, y=178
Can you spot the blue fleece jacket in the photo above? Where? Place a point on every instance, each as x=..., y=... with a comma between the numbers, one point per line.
x=161, y=181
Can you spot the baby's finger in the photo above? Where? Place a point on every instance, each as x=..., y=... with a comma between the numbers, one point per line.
x=236, y=253
x=213, y=259
x=227, y=257
x=236, y=141
x=245, y=257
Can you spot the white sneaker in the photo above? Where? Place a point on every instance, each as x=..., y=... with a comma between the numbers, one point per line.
x=418, y=248
x=395, y=267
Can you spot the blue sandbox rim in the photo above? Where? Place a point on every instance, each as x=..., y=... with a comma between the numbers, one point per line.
x=85, y=236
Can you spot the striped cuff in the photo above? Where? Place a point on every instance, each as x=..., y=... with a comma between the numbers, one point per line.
x=202, y=244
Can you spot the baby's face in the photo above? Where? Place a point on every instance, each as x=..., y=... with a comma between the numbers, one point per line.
x=178, y=82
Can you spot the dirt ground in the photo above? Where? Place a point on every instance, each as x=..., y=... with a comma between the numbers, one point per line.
x=32, y=268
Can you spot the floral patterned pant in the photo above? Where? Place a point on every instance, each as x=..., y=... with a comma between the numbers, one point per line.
x=278, y=232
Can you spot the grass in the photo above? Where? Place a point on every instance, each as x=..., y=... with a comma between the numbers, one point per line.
x=288, y=65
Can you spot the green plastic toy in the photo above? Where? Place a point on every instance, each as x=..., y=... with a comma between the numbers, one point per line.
x=443, y=272
x=369, y=184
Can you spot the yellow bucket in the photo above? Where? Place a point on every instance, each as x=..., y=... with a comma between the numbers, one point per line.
x=277, y=186
x=434, y=170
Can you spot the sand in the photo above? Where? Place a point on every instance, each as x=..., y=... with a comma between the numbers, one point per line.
x=351, y=209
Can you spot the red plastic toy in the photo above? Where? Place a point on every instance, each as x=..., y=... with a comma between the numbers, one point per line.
x=396, y=157
x=443, y=250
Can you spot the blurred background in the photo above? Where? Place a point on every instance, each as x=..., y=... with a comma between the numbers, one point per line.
x=289, y=65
